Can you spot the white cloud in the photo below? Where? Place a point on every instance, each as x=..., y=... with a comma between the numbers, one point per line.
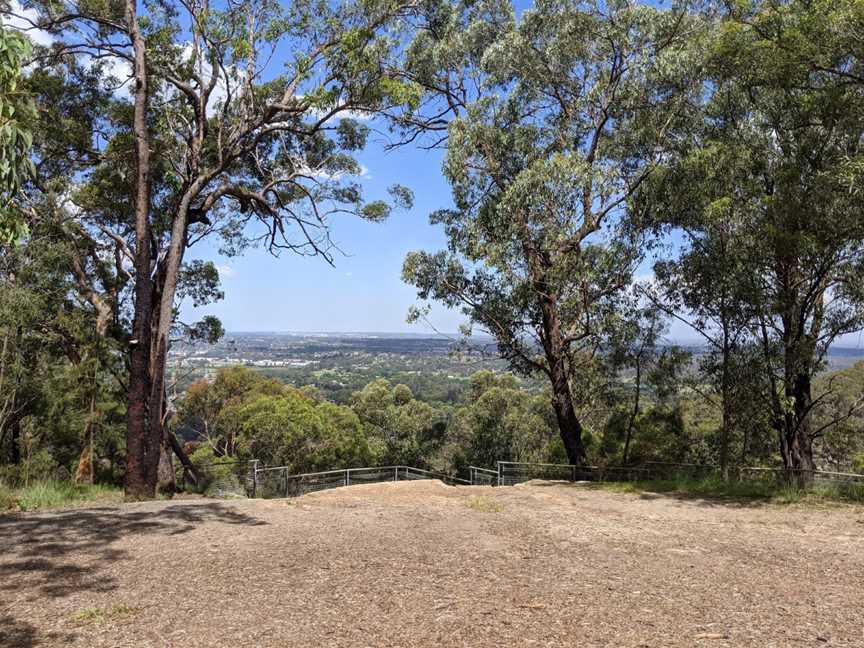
x=321, y=174
x=647, y=279
x=225, y=271
x=118, y=68
x=23, y=19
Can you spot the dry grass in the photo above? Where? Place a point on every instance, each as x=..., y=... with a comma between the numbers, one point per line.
x=416, y=564
x=483, y=504
x=104, y=615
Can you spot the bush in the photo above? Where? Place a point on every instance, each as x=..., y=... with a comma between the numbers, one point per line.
x=8, y=500
x=218, y=476
x=54, y=494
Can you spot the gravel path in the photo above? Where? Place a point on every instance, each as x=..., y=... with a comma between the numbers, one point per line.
x=423, y=564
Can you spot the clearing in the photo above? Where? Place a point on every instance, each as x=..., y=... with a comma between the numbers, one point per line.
x=424, y=564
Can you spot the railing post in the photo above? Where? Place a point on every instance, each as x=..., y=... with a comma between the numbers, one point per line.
x=499, y=473
x=348, y=477
x=254, y=477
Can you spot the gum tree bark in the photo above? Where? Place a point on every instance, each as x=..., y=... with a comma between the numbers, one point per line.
x=142, y=446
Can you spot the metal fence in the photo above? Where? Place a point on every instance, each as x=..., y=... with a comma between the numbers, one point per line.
x=510, y=473
x=482, y=476
x=275, y=481
x=230, y=478
x=780, y=475
x=248, y=478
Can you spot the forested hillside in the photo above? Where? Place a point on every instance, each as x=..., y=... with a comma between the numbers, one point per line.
x=615, y=167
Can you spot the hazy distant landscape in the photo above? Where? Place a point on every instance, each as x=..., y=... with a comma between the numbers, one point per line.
x=436, y=367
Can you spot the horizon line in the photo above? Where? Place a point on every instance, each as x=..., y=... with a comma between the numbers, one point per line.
x=442, y=334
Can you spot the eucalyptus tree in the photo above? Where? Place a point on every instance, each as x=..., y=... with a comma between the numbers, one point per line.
x=16, y=115
x=636, y=346
x=216, y=140
x=553, y=123
x=707, y=282
x=795, y=120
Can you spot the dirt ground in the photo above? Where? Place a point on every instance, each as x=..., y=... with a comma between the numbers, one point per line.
x=423, y=564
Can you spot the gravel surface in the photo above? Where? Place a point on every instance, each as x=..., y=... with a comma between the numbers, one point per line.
x=424, y=564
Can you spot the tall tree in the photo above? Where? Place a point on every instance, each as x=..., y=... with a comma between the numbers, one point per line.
x=214, y=141
x=707, y=283
x=798, y=115
x=560, y=118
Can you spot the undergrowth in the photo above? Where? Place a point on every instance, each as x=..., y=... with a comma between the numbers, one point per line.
x=54, y=494
x=714, y=487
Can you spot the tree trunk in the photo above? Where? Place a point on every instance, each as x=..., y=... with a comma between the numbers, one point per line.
x=183, y=457
x=85, y=463
x=167, y=481
x=554, y=348
x=142, y=448
x=15, y=431
x=569, y=426
x=726, y=405
x=797, y=446
x=85, y=472
x=631, y=423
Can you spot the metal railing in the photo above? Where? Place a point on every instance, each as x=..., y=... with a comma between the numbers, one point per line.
x=510, y=473
x=227, y=478
x=513, y=472
x=238, y=478
x=482, y=476
x=810, y=476
x=275, y=481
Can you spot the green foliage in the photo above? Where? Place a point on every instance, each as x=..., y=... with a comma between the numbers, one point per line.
x=244, y=415
x=17, y=115
x=716, y=488
x=55, y=494
x=559, y=117
x=218, y=477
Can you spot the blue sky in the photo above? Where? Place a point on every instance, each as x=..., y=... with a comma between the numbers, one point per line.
x=364, y=291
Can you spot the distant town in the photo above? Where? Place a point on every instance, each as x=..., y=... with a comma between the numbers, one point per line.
x=304, y=349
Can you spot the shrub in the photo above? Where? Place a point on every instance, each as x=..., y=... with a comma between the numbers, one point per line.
x=8, y=500
x=54, y=494
x=218, y=478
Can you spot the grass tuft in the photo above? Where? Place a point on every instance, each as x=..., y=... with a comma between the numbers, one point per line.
x=100, y=616
x=716, y=488
x=483, y=504
x=8, y=499
x=55, y=494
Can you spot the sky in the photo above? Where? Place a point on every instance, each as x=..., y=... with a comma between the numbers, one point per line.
x=363, y=291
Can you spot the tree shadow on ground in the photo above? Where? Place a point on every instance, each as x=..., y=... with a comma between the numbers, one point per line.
x=60, y=553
